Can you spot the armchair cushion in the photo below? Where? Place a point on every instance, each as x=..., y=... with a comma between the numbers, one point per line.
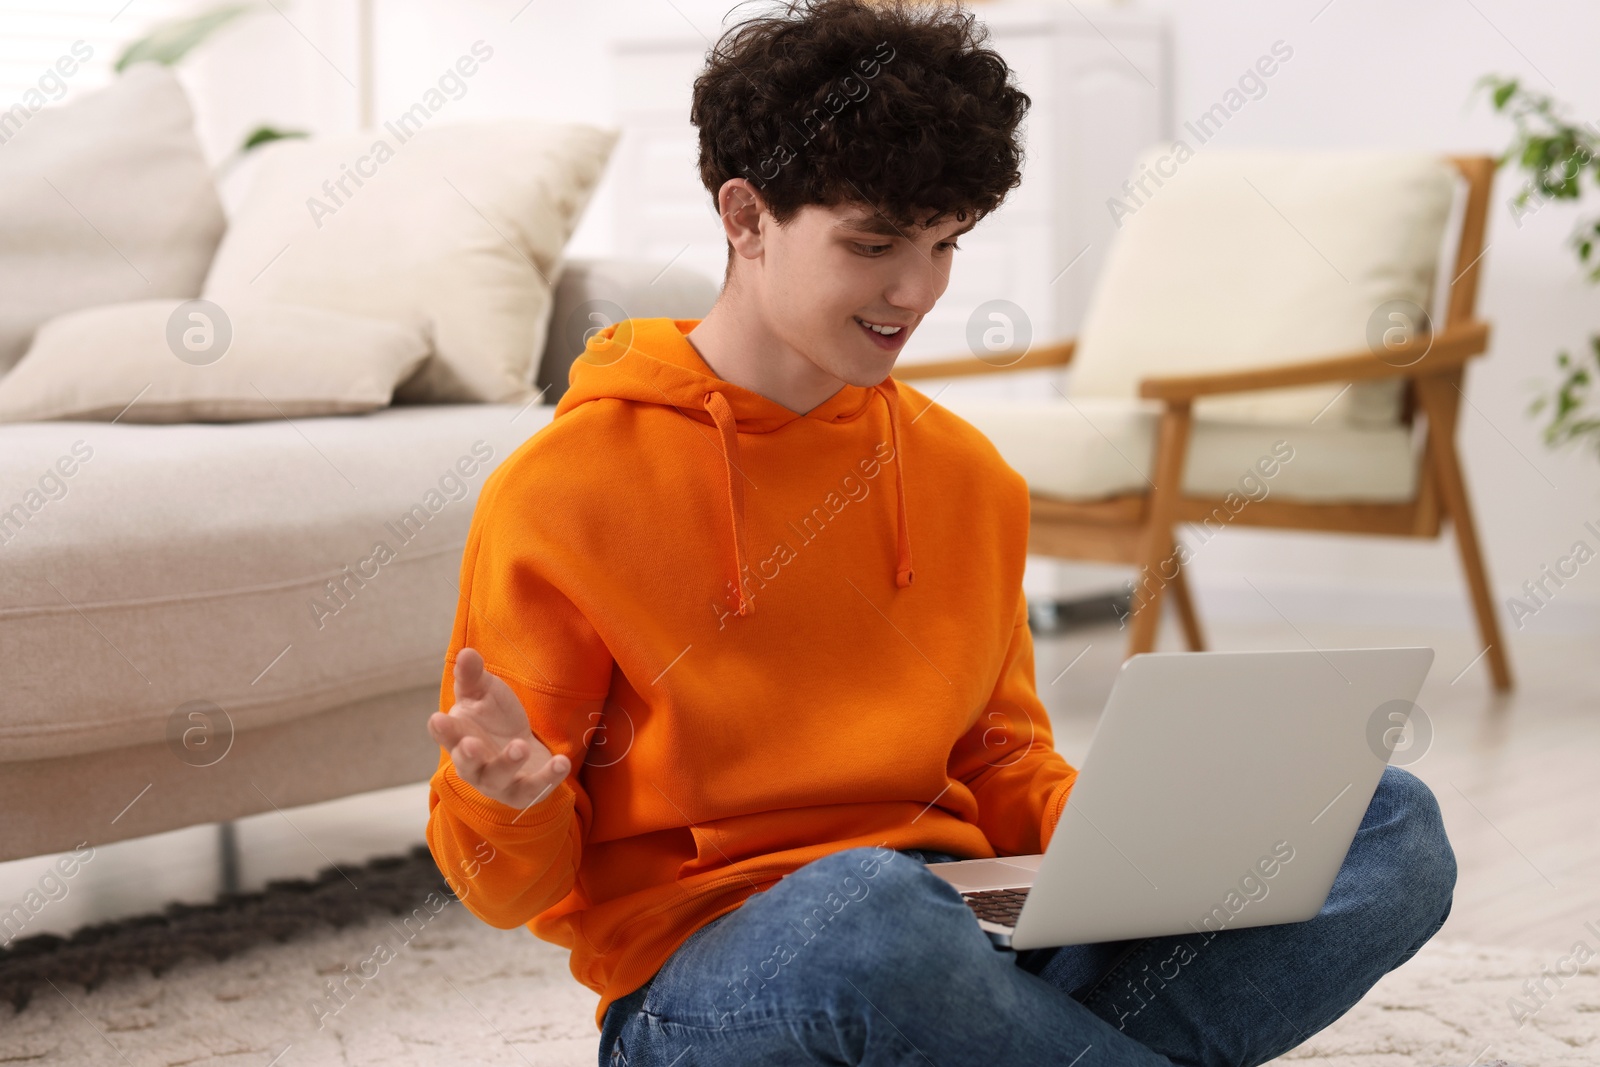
x=1096, y=447
x=1239, y=260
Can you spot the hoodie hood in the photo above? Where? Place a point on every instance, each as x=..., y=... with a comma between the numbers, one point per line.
x=650, y=361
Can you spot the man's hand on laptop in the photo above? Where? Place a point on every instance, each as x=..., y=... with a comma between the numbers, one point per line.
x=487, y=736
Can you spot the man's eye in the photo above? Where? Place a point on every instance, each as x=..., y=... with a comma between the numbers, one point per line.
x=950, y=246
x=871, y=250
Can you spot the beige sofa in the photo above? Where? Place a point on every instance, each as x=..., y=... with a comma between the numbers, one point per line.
x=194, y=624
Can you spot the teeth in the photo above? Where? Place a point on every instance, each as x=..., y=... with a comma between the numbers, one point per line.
x=887, y=331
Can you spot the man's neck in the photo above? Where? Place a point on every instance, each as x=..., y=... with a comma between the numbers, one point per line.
x=740, y=347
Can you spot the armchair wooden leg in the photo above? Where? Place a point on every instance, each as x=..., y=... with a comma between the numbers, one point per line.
x=1145, y=608
x=1186, y=613
x=1158, y=557
x=1433, y=393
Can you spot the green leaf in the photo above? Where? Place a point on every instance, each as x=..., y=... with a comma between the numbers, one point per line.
x=266, y=134
x=1569, y=408
x=171, y=41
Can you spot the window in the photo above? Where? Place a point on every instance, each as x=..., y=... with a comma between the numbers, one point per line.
x=42, y=40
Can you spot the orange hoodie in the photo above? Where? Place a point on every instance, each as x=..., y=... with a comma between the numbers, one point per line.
x=612, y=577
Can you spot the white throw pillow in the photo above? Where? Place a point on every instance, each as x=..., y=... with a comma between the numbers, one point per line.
x=183, y=361
x=107, y=198
x=457, y=230
x=1240, y=260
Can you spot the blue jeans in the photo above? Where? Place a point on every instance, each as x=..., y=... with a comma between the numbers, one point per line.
x=833, y=965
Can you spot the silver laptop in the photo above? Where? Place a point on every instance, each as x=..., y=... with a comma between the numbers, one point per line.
x=1221, y=790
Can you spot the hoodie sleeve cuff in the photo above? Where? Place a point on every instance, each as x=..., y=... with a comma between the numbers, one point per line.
x=1052, y=812
x=479, y=810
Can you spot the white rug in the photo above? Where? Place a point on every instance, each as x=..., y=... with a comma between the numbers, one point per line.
x=455, y=991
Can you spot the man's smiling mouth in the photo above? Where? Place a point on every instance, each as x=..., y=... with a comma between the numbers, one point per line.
x=887, y=331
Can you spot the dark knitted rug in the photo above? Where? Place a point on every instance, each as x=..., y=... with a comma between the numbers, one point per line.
x=151, y=944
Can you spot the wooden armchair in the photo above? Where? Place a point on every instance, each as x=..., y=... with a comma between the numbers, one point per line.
x=1138, y=527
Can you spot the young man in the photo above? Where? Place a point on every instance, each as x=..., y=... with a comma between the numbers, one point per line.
x=742, y=645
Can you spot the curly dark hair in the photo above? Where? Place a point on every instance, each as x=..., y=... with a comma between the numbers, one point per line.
x=895, y=103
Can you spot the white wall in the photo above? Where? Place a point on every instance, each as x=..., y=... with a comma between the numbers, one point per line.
x=1364, y=73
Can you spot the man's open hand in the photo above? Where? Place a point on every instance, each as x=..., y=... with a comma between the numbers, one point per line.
x=487, y=736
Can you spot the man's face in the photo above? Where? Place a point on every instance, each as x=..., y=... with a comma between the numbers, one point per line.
x=831, y=270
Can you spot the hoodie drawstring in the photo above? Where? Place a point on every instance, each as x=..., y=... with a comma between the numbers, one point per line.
x=727, y=427
x=722, y=415
x=902, y=574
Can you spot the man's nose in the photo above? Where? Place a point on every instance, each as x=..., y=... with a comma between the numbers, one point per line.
x=918, y=286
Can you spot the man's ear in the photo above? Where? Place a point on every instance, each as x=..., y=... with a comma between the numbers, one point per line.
x=740, y=205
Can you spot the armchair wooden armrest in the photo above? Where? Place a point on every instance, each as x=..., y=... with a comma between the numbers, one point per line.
x=1058, y=354
x=1448, y=351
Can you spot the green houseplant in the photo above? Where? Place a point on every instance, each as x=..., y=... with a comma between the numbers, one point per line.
x=1555, y=154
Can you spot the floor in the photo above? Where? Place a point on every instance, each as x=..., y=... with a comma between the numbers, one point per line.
x=1518, y=780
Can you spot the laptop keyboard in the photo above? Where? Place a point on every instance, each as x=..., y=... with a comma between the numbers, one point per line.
x=996, y=905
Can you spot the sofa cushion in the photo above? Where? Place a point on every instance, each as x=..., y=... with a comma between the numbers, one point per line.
x=69, y=238
x=192, y=361
x=1091, y=448
x=1247, y=259
x=458, y=230
x=269, y=569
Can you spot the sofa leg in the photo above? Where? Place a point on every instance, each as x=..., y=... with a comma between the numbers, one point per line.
x=228, y=856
